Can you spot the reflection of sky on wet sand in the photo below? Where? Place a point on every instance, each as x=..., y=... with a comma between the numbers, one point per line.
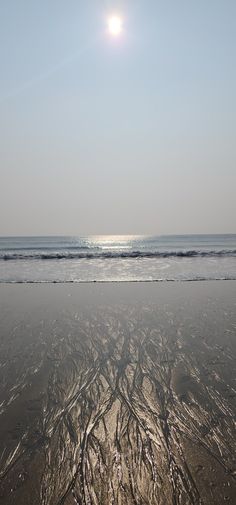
x=118, y=393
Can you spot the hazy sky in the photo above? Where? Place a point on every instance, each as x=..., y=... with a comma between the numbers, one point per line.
x=128, y=135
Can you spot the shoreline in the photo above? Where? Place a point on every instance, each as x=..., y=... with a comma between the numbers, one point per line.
x=129, y=281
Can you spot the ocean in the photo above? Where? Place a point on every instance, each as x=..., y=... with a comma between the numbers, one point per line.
x=117, y=258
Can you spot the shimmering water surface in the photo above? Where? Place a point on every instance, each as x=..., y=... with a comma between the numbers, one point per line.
x=117, y=258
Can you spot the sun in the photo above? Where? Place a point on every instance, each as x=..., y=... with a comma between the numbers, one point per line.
x=115, y=25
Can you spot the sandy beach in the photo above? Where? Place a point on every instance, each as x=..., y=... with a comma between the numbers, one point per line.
x=118, y=394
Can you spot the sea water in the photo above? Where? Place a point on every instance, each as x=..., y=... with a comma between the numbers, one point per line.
x=117, y=258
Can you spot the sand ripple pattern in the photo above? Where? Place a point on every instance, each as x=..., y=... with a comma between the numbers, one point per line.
x=129, y=404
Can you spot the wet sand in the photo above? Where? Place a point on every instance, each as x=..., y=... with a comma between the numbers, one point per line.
x=118, y=394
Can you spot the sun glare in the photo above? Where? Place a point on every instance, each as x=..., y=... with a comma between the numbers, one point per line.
x=115, y=25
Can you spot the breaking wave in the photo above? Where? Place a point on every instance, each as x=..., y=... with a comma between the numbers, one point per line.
x=117, y=254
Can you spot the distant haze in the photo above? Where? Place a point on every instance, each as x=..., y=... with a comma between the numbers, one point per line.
x=128, y=135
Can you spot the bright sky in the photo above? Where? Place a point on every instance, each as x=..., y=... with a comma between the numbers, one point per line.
x=126, y=132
